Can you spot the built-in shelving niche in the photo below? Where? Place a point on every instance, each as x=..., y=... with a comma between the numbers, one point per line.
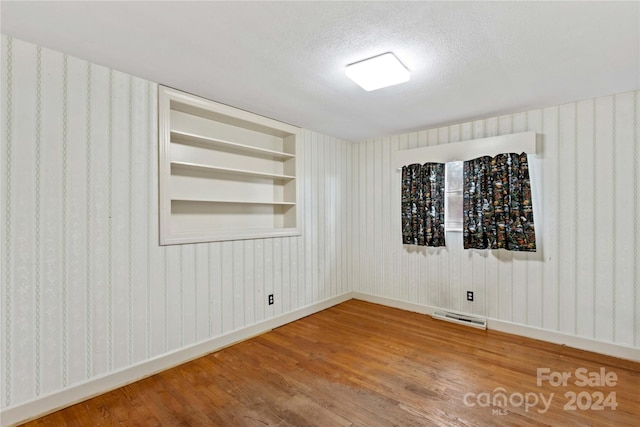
x=225, y=174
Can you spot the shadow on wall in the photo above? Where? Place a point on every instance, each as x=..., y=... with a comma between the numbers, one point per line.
x=502, y=255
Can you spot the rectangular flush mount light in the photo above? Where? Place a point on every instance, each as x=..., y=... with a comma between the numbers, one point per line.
x=378, y=72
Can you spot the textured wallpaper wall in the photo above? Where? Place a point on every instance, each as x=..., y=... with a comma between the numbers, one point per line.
x=583, y=281
x=86, y=289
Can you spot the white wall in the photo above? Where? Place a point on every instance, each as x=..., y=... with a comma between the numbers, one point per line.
x=87, y=292
x=86, y=289
x=583, y=281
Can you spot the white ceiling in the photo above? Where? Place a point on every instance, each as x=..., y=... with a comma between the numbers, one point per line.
x=286, y=60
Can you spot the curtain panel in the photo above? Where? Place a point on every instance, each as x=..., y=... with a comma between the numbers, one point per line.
x=423, y=204
x=497, y=204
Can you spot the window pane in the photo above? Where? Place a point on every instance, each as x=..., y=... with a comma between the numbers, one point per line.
x=453, y=211
x=454, y=177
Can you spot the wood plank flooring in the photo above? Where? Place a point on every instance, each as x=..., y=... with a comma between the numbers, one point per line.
x=361, y=364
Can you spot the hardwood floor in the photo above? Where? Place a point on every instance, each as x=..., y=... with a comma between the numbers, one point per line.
x=361, y=364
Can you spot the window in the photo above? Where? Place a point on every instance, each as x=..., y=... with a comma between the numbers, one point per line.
x=452, y=157
x=453, y=196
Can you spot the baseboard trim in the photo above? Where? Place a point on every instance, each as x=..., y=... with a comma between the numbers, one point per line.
x=554, y=337
x=395, y=303
x=581, y=343
x=77, y=393
x=44, y=405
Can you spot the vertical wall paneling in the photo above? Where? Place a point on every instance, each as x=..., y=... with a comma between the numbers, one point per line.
x=360, y=215
x=78, y=193
x=564, y=123
x=364, y=217
x=372, y=231
x=550, y=309
x=23, y=295
x=392, y=216
x=636, y=218
x=151, y=266
x=97, y=139
x=86, y=289
x=251, y=300
x=294, y=272
x=268, y=267
x=312, y=250
x=605, y=217
x=624, y=228
x=285, y=277
x=277, y=274
x=50, y=162
x=37, y=268
x=583, y=248
x=384, y=214
x=332, y=222
x=7, y=226
x=226, y=267
x=354, y=277
x=259, y=273
x=373, y=186
x=238, y=283
x=109, y=260
x=535, y=279
x=129, y=222
x=310, y=206
x=580, y=282
x=321, y=210
x=201, y=294
x=331, y=226
x=189, y=294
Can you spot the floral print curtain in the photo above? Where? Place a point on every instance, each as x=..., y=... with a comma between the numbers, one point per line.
x=497, y=204
x=423, y=204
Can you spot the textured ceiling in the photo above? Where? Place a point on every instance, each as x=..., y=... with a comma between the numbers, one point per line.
x=286, y=60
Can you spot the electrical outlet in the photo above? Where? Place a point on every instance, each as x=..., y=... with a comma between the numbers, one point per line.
x=270, y=299
x=469, y=295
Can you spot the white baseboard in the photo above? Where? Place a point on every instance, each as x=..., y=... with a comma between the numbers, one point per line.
x=554, y=337
x=581, y=343
x=43, y=405
x=395, y=303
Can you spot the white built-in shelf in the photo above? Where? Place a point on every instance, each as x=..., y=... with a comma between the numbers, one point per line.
x=217, y=169
x=225, y=174
x=242, y=202
x=184, y=137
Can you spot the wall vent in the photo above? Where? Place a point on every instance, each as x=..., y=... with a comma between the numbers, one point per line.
x=461, y=319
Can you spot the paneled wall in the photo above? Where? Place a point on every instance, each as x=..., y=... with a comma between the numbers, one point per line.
x=86, y=289
x=583, y=281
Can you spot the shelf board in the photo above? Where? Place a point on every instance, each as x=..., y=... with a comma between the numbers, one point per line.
x=177, y=136
x=222, y=235
x=198, y=166
x=234, y=202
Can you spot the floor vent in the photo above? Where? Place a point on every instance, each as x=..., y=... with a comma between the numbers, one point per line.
x=461, y=319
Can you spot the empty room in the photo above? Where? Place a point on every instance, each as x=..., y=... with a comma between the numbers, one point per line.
x=323, y=213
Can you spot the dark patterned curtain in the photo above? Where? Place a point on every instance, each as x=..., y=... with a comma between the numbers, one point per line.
x=423, y=204
x=497, y=203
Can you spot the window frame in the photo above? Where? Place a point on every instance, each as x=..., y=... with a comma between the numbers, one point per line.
x=453, y=167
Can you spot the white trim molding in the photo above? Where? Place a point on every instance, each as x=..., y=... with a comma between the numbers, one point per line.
x=523, y=142
x=36, y=408
x=44, y=405
x=554, y=337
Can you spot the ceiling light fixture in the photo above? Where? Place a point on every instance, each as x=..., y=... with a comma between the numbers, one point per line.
x=378, y=72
